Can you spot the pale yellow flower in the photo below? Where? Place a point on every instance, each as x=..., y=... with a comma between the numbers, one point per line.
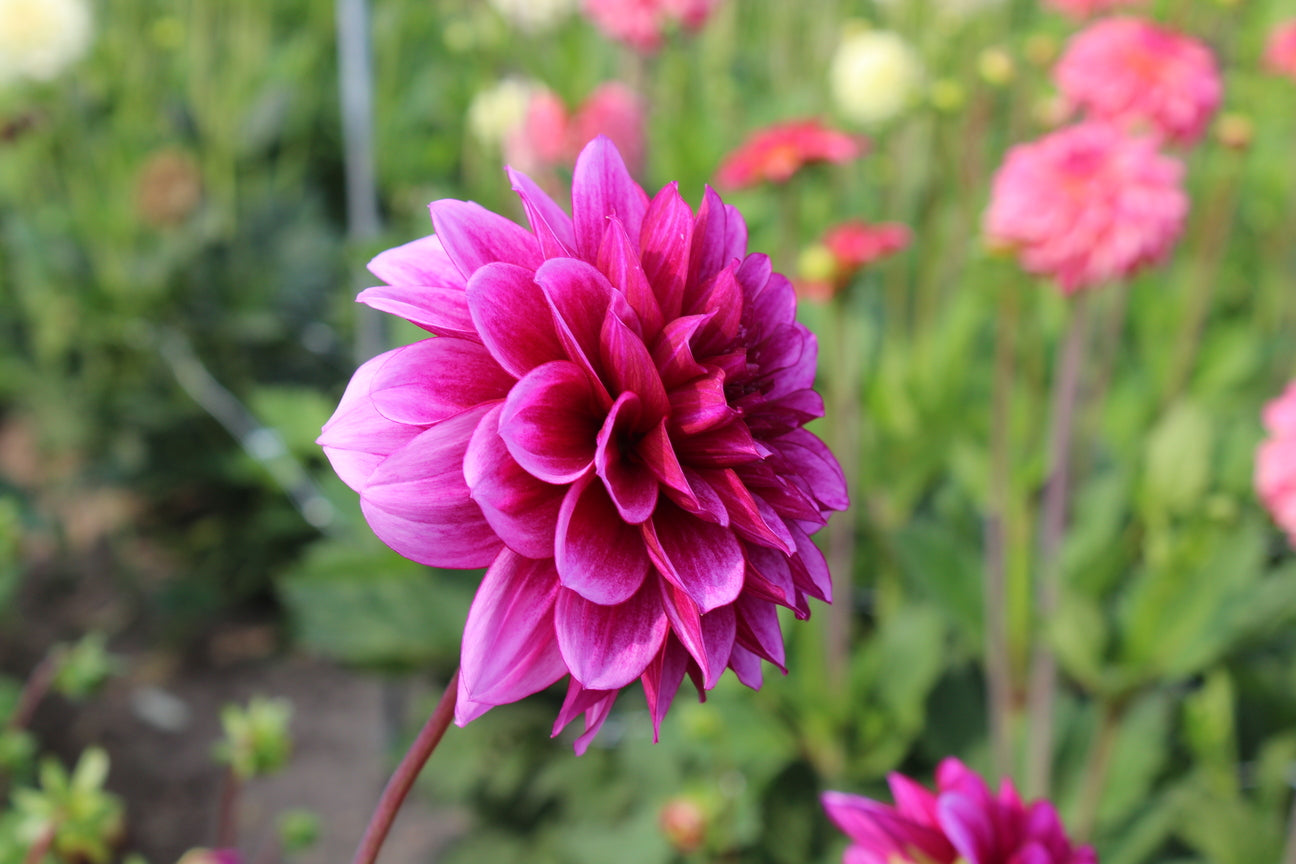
x=534, y=16
x=40, y=38
x=495, y=112
x=874, y=75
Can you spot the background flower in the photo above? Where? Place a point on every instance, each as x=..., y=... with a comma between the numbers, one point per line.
x=874, y=75
x=551, y=137
x=534, y=16
x=1141, y=76
x=1275, y=474
x=498, y=111
x=40, y=38
x=609, y=418
x=1280, y=50
x=1087, y=205
x=1088, y=8
x=775, y=153
x=642, y=24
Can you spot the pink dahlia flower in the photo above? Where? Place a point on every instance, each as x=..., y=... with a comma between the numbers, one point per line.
x=1081, y=9
x=610, y=419
x=1280, y=51
x=1142, y=77
x=775, y=153
x=641, y=24
x=962, y=820
x=551, y=136
x=1275, y=473
x=850, y=247
x=1086, y=205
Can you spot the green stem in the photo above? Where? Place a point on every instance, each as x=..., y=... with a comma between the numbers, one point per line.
x=1096, y=768
x=398, y=787
x=842, y=534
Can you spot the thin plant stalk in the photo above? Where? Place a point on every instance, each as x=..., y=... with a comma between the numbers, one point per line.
x=1097, y=766
x=1289, y=851
x=34, y=689
x=1043, y=676
x=398, y=787
x=999, y=704
x=227, y=816
x=41, y=846
x=842, y=534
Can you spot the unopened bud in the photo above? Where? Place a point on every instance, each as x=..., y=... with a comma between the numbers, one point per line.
x=684, y=824
x=1235, y=131
x=996, y=67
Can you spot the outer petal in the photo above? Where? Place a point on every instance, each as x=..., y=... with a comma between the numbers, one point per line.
x=549, y=423
x=602, y=187
x=474, y=237
x=661, y=681
x=703, y=559
x=510, y=312
x=438, y=309
x=812, y=459
x=594, y=704
x=607, y=647
x=417, y=501
x=522, y=510
x=618, y=260
x=666, y=237
x=598, y=555
x=552, y=226
x=968, y=827
x=428, y=381
x=421, y=262
x=509, y=649
x=356, y=439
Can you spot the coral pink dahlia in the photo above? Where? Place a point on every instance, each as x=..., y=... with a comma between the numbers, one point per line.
x=1143, y=77
x=1086, y=205
x=1280, y=50
x=610, y=419
x=642, y=23
x=962, y=820
x=777, y=152
x=1275, y=472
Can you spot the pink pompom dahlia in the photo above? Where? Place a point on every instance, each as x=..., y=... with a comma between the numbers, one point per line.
x=1087, y=205
x=962, y=820
x=642, y=24
x=774, y=154
x=551, y=137
x=1081, y=9
x=1141, y=77
x=610, y=419
x=1275, y=471
x=1280, y=50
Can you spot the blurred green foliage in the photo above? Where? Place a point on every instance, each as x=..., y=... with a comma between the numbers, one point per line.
x=185, y=182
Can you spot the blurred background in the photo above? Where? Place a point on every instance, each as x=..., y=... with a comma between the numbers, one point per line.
x=185, y=212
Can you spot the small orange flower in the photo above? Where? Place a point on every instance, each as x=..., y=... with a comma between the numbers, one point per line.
x=775, y=153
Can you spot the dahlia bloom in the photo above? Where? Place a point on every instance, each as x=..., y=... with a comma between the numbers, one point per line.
x=40, y=38
x=497, y=112
x=534, y=16
x=874, y=75
x=1086, y=205
x=641, y=24
x=610, y=419
x=850, y=247
x=1081, y=9
x=1142, y=77
x=1280, y=50
x=775, y=153
x=550, y=136
x=1275, y=472
x=962, y=820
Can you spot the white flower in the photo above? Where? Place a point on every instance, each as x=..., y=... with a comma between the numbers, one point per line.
x=497, y=111
x=39, y=38
x=948, y=8
x=534, y=16
x=874, y=75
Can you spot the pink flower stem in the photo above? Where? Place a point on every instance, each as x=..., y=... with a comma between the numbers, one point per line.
x=999, y=702
x=398, y=787
x=227, y=816
x=1096, y=767
x=34, y=689
x=41, y=846
x=1043, y=676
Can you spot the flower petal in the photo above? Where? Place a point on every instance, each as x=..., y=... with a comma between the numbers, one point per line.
x=811, y=458
x=510, y=312
x=665, y=239
x=618, y=260
x=630, y=368
x=549, y=222
x=580, y=296
x=700, y=404
x=522, y=510
x=594, y=704
x=703, y=559
x=598, y=555
x=661, y=681
x=602, y=187
x=438, y=309
x=356, y=439
x=632, y=484
x=422, y=262
x=428, y=381
x=607, y=647
x=549, y=422
x=474, y=237
x=509, y=647
x=758, y=629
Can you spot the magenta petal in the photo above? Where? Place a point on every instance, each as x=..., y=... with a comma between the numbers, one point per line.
x=758, y=629
x=618, y=260
x=607, y=647
x=685, y=621
x=550, y=224
x=428, y=381
x=509, y=649
x=598, y=555
x=735, y=239
x=356, y=439
x=602, y=187
x=421, y=262
x=709, y=246
x=747, y=667
x=750, y=516
x=630, y=368
x=510, y=312
x=437, y=309
x=810, y=568
x=700, y=404
x=474, y=237
x=704, y=559
x=722, y=301
x=632, y=485
x=718, y=632
x=727, y=446
x=772, y=574
x=522, y=510
x=968, y=827
x=579, y=296
x=913, y=799
x=673, y=351
x=882, y=830
x=549, y=423
x=665, y=240
x=417, y=501
x=661, y=681
x=594, y=704
x=657, y=452
x=812, y=459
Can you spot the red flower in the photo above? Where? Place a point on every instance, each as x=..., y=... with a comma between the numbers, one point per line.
x=851, y=246
x=775, y=153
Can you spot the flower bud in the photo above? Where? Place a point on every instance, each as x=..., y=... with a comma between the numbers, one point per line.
x=1235, y=131
x=684, y=823
x=996, y=66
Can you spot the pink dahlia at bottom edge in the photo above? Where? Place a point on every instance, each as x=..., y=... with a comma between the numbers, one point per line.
x=1087, y=8
x=609, y=417
x=962, y=820
x=1086, y=205
x=1280, y=50
x=1142, y=77
x=1275, y=470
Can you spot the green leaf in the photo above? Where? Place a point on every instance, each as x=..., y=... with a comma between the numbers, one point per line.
x=1179, y=458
